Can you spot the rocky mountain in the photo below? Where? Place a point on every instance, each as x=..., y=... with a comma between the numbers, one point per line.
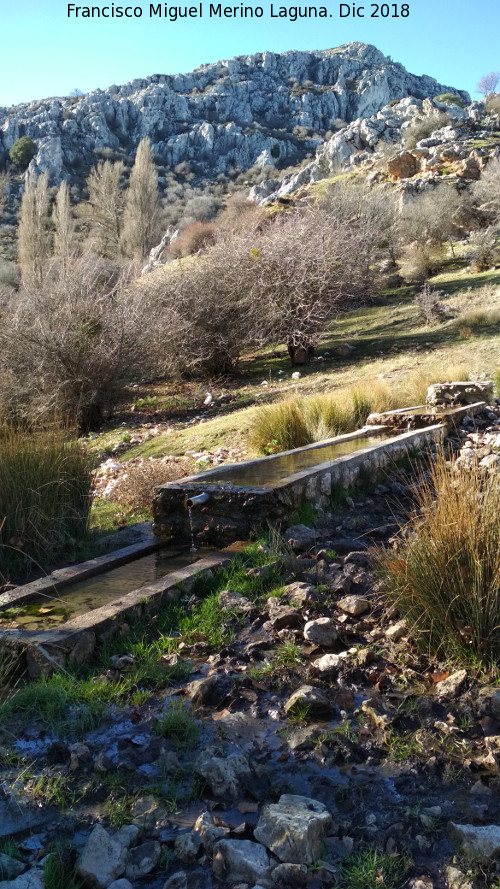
x=266, y=108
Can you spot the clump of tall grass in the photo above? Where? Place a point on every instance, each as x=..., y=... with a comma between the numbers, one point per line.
x=445, y=580
x=280, y=427
x=412, y=389
x=300, y=421
x=45, y=496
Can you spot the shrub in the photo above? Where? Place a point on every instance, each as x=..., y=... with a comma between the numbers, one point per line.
x=45, y=496
x=483, y=248
x=297, y=422
x=450, y=99
x=279, y=427
x=423, y=127
x=136, y=487
x=22, y=152
x=430, y=306
x=445, y=580
x=69, y=345
x=194, y=237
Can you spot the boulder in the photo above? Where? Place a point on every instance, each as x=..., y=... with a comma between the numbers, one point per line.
x=32, y=879
x=229, y=777
x=294, y=828
x=300, y=537
x=452, y=686
x=103, y=859
x=142, y=860
x=353, y=605
x=460, y=392
x=403, y=166
x=318, y=704
x=321, y=631
x=240, y=861
x=477, y=841
x=488, y=702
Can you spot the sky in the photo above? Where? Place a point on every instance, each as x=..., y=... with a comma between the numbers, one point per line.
x=46, y=53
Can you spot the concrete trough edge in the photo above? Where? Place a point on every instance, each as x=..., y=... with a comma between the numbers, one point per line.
x=73, y=573
x=103, y=622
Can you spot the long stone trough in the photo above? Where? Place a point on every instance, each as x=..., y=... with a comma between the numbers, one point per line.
x=242, y=498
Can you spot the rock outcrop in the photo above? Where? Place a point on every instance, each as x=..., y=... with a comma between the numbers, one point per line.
x=234, y=113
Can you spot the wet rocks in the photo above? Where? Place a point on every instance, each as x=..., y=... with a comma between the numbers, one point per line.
x=240, y=860
x=228, y=777
x=327, y=666
x=313, y=700
x=103, y=859
x=321, y=632
x=294, y=828
x=478, y=841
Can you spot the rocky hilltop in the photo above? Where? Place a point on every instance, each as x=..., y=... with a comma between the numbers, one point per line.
x=233, y=113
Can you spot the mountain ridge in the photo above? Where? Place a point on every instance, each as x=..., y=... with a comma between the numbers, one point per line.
x=270, y=109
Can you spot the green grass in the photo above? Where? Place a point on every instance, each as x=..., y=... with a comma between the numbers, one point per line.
x=179, y=726
x=45, y=497
x=370, y=869
x=59, y=870
x=445, y=579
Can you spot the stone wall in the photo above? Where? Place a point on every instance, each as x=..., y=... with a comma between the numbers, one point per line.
x=233, y=513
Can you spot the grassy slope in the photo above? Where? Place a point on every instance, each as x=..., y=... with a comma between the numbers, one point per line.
x=389, y=341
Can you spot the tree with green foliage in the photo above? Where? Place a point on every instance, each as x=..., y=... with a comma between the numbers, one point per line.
x=22, y=152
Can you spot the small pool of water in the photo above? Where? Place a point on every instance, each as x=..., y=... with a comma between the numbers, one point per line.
x=48, y=611
x=265, y=473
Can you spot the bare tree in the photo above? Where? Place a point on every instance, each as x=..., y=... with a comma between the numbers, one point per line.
x=488, y=83
x=33, y=244
x=142, y=206
x=64, y=225
x=69, y=344
x=486, y=190
x=105, y=206
x=278, y=284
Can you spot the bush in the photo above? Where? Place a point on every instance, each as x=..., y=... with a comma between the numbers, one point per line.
x=423, y=127
x=297, y=422
x=135, y=488
x=45, y=496
x=430, y=306
x=194, y=237
x=22, y=152
x=483, y=248
x=70, y=345
x=450, y=99
x=445, y=580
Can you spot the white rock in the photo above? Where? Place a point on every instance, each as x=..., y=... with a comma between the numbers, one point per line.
x=294, y=828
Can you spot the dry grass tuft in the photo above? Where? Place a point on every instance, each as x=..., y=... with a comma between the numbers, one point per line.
x=445, y=580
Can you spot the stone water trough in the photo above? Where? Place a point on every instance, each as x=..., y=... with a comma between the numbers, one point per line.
x=222, y=505
x=60, y=617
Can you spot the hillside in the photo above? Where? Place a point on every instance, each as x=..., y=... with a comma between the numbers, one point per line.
x=268, y=108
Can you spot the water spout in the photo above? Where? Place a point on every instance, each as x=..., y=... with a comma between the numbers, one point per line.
x=198, y=500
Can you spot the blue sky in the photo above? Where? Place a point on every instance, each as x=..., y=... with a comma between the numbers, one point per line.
x=44, y=53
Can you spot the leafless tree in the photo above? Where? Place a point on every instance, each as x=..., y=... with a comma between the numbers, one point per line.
x=142, y=206
x=105, y=205
x=33, y=244
x=69, y=344
x=488, y=83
